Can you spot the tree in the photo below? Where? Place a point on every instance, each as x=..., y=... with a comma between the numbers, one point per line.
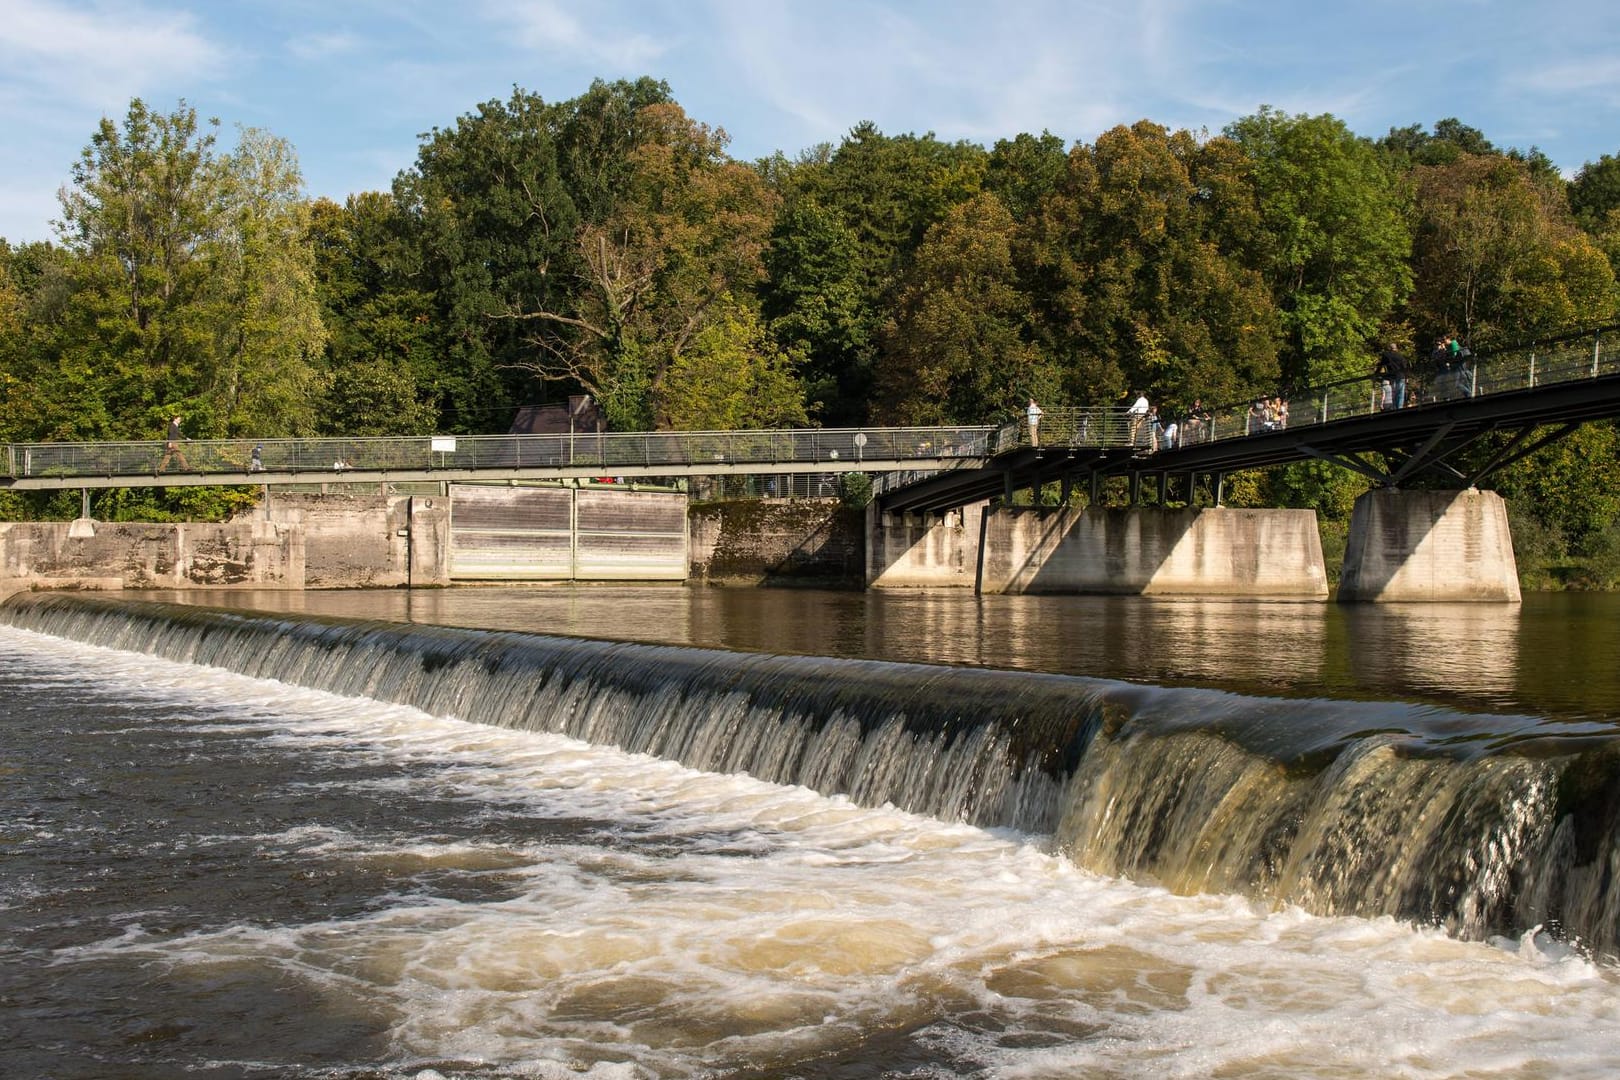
x=1024, y=170
x=381, y=356
x=814, y=303
x=191, y=284
x=690, y=228
x=1411, y=146
x=1136, y=277
x=266, y=379
x=953, y=350
x=732, y=376
x=1595, y=192
x=1496, y=258
x=140, y=216
x=494, y=222
x=873, y=199
x=1336, y=248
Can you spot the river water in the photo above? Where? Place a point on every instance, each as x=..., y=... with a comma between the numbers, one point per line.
x=211, y=874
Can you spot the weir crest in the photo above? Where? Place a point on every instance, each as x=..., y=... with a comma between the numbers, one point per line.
x=1484, y=825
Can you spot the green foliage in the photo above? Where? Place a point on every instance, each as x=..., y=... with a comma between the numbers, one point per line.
x=489, y=209
x=189, y=286
x=1336, y=244
x=953, y=349
x=854, y=217
x=855, y=490
x=732, y=377
x=1595, y=192
x=1495, y=258
x=1451, y=139
x=814, y=301
x=380, y=361
x=1137, y=272
x=1313, y=485
x=1571, y=487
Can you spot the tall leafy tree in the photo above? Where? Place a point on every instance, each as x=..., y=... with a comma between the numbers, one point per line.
x=1139, y=280
x=814, y=302
x=495, y=224
x=192, y=286
x=954, y=348
x=1335, y=242
x=1497, y=258
x=732, y=376
x=691, y=227
x=596, y=134
x=875, y=196
x=1024, y=170
x=144, y=204
x=382, y=354
x=1595, y=192
x=267, y=376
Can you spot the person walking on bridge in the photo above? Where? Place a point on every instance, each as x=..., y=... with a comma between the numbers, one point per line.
x=1033, y=416
x=171, y=448
x=1138, y=413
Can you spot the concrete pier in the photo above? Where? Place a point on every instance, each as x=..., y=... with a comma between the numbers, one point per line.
x=1212, y=551
x=923, y=550
x=1429, y=546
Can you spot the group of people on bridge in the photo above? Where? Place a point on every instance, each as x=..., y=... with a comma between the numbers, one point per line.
x=1450, y=374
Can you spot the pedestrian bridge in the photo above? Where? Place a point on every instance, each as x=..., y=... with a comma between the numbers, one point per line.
x=632, y=456
x=1535, y=394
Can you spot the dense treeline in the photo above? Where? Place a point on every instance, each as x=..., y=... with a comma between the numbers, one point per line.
x=609, y=245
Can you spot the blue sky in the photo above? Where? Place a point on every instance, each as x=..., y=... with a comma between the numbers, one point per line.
x=352, y=84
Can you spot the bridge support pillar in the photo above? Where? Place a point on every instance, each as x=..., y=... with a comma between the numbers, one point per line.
x=1429, y=546
x=922, y=550
x=1152, y=551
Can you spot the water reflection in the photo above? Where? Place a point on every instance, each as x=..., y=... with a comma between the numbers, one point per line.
x=1552, y=655
x=1440, y=649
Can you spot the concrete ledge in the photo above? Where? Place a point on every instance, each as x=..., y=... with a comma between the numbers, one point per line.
x=1427, y=546
x=70, y=584
x=1153, y=552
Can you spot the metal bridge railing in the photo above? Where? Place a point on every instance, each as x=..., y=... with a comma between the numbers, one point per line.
x=680, y=451
x=1561, y=360
x=1557, y=361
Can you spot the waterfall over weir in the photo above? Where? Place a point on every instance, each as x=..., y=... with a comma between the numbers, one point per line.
x=1482, y=824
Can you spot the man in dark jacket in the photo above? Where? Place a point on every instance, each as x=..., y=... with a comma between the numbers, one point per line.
x=1391, y=368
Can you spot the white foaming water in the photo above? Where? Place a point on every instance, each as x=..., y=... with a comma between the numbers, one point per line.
x=759, y=927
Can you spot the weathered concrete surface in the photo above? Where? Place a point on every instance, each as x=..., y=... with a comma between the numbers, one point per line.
x=307, y=541
x=354, y=540
x=776, y=542
x=923, y=551
x=1214, y=551
x=1429, y=546
x=349, y=538
x=427, y=554
x=249, y=553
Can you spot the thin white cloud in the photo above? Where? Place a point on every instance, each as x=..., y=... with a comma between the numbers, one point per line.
x=547, y=26
x=1592, y=75
x=318, y=47
x=101, y=55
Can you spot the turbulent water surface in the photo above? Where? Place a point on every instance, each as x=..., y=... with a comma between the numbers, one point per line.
x=215, y=874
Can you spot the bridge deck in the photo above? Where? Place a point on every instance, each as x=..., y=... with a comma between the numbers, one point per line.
x=45, y=466
x=1561, y=383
